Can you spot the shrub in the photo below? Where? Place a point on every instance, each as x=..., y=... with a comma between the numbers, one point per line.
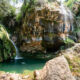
x=7, y=49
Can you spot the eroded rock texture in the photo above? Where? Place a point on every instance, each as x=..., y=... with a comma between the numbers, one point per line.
x=47, y=22
x=55, y=69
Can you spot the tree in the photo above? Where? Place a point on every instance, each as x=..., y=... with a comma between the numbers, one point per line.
x=7, y=12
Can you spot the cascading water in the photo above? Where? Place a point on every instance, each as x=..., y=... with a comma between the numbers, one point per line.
x=17, y=52
x=67, y=16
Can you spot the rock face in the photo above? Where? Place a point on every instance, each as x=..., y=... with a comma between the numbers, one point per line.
x=76, y=11
x=49, y=22
x=73, y=50
x=76, y=8
x=55, y=69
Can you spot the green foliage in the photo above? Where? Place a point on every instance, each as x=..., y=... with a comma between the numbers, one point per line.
x=69, y=3
x=68, y=40
x=77, y=25
x=7, y=13
x=74, y=61
x=68, y=43
x=62, y=47
x=18, y=17
x=26, y=7
x=5, y=9
x=28, y=72
x=7, y=50
x=3, y=33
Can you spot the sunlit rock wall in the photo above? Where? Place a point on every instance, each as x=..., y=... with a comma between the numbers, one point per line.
x=47, y=23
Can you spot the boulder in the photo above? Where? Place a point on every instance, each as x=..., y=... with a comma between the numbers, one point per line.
x=73, y=57
x=55, y=69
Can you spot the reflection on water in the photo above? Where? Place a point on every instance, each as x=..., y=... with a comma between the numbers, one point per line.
x=19, y=66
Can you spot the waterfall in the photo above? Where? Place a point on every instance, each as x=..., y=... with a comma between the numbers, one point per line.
x=17, y=51
x=67, y=16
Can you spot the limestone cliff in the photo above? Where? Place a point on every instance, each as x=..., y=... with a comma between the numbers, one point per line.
x=48, y=24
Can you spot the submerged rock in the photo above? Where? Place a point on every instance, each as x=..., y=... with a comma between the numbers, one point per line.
x=55, y=69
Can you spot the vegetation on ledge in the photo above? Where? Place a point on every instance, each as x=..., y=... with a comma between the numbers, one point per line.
x=7, y=50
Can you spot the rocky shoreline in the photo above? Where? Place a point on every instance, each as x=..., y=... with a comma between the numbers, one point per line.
x=13, y=76
x=63, y=67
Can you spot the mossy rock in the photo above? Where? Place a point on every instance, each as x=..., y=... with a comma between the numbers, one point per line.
x=7, y=50
x=74, y=64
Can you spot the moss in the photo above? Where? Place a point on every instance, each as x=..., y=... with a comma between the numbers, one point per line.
x=7, y=50
x=69, y=3
x=68, y=42
x=74, y=63
x=28, y=72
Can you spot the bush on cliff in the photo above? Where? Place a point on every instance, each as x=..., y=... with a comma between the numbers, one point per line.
x=7, y=50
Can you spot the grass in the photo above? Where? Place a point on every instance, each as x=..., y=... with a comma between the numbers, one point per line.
x=74, y=63
x=28, y=72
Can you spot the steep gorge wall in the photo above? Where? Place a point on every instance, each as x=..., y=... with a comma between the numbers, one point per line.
x=45, y=26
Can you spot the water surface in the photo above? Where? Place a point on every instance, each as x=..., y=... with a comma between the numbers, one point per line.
x=19, y=66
